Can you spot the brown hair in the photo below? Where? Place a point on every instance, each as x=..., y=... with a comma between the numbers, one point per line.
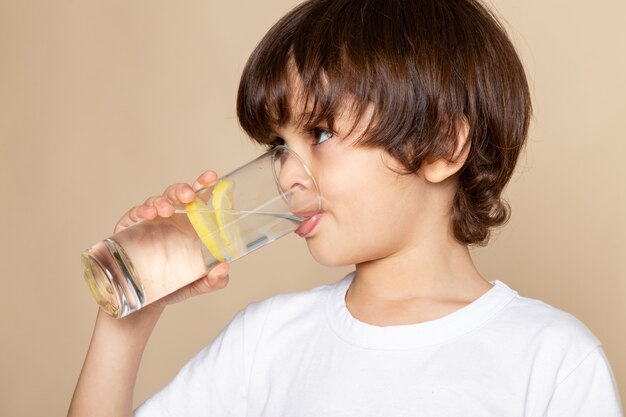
x=423, y=65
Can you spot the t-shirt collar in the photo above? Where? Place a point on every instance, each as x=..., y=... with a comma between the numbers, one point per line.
x=411, y=336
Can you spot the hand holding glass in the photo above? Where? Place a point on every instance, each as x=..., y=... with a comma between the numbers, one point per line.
x=252, y=206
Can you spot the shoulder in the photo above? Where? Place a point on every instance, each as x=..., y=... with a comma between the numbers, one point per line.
x=546, y=333
x=573, y=373
x=300, y=302
x=548, y=321
x=281, y=312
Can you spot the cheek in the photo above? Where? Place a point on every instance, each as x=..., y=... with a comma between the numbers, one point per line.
x=352, y=237
x=347, y=176
x=362, y=222
x=344, y=198
x=372, y=212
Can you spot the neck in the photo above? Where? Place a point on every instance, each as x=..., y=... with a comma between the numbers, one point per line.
x=433, y=270
x=420, y=284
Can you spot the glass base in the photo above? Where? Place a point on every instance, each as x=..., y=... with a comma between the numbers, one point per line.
x=112, y=280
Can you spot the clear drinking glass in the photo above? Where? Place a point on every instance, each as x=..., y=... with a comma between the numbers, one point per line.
x=252, y=206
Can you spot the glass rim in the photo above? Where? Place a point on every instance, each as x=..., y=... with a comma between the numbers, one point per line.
x=271, y=153
x=277, y=148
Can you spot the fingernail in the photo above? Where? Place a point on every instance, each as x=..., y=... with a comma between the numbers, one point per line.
x=222, y=271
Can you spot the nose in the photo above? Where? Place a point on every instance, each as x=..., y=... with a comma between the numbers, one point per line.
x=297, y=183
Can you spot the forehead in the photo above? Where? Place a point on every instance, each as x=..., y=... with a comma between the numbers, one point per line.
x=318, y=105
x=300, y=101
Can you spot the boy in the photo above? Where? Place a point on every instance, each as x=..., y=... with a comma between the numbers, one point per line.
x=411, y=115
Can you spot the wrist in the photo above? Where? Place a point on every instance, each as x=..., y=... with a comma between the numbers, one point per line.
x=136, y=325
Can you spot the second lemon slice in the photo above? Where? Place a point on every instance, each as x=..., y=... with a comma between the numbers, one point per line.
x=203, y=222
x=226, y=217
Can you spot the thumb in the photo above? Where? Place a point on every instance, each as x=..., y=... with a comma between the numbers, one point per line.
x=216, y=279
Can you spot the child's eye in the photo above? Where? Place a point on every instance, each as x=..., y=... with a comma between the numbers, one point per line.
x=321, y=135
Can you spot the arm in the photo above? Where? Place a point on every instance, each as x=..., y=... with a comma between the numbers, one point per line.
x=107, y=380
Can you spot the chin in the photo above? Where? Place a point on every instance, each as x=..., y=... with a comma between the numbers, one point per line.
x=328, y=255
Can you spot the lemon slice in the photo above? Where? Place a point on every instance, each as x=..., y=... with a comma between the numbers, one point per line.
x=226, y=217
x=203, y=222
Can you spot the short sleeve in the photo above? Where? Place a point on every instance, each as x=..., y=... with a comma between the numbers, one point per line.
x=212, y=383
x=589, y=390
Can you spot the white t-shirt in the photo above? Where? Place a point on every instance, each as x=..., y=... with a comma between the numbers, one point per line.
x=304, y=354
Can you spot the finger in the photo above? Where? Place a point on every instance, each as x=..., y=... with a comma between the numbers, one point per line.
x=142, y=212
x=146, y=210
x=135, y=215
x=123, y=223
x=206, y=179
x=163, y=206
x=150, y=200
x=180, y=193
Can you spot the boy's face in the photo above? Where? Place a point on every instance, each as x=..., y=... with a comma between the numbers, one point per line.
x=369, y=211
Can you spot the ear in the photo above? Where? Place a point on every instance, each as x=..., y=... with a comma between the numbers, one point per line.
x=440, y=169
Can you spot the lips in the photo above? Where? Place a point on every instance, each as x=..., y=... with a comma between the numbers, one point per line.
x=308, y=225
